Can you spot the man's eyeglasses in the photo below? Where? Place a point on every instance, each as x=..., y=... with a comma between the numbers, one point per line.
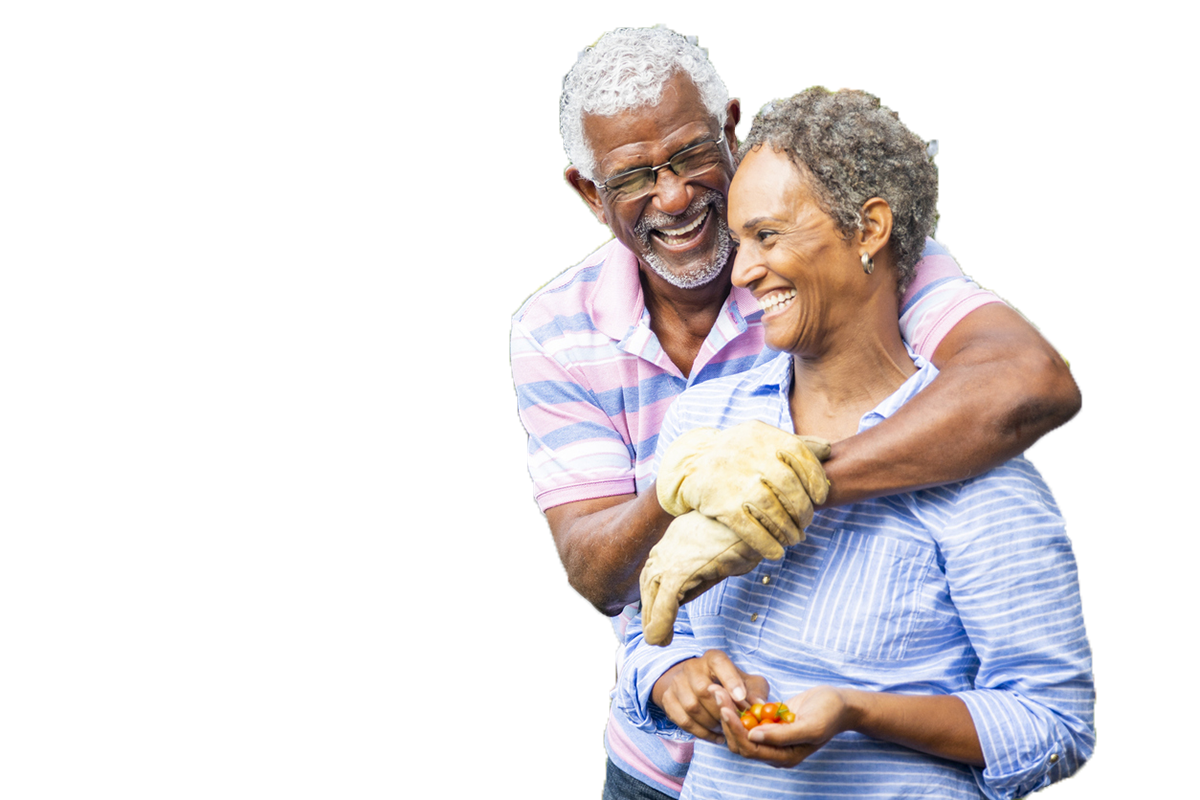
x=687, y=163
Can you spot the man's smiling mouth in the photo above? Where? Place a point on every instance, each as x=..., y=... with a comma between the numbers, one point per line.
x=680, y=235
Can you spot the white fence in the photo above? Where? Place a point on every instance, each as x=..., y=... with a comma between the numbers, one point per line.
x=544, y=609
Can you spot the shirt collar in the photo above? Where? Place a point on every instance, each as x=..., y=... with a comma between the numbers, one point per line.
x=925, y=373
x=777, y=376
x=619, y=305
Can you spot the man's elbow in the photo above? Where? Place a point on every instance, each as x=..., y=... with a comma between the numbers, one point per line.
x=1047, y=398
x=597, y=592
x=1062, y=394
x=588, y=576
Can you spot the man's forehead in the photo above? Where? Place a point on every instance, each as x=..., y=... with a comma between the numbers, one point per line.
x=616, y=142
x=654, y=130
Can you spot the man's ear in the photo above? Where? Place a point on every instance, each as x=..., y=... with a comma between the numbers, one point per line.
x=876, y=225
x=733, y=115
x=588, y=191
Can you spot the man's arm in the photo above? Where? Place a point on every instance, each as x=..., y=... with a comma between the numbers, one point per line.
x=603, y=544
x=1001, y=387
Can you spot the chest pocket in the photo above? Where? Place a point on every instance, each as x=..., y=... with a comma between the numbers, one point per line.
x=867, y=596
x=710, y=603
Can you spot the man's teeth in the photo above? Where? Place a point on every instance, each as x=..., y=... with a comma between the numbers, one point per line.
x=683, y=230
x=773, y=302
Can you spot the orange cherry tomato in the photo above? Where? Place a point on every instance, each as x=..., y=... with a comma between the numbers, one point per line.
x=749, y=720
x=770, y=712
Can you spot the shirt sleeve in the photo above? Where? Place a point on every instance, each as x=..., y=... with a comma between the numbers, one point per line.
x=937, y=299
x=642, y=666
x=1013, y=579
x=575, y=450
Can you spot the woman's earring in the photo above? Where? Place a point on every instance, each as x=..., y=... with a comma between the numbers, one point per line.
x=868, y=264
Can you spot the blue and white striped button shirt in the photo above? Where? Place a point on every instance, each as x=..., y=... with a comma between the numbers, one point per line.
x=967, y=589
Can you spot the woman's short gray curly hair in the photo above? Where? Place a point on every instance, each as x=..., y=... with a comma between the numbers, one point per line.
x=854, y=149
x=627, y=68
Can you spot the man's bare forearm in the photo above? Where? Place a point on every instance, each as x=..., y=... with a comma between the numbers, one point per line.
x=603, y=544
x=1001, y=387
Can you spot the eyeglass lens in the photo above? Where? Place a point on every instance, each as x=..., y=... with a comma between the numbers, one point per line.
x=686, y=164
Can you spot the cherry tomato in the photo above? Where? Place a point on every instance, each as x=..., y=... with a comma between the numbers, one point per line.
x=787, y=717
x=770, y=712
x=757, y=710
x=749, y=720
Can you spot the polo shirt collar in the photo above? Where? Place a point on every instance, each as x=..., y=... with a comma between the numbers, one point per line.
x=619, y=307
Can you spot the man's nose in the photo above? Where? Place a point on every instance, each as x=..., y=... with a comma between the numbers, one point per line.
x=672, y=194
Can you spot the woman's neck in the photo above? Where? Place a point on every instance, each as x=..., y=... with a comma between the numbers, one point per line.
x=864, y=364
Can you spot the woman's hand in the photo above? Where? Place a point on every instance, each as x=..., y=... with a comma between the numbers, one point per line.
x=939, y=725
x=821, y=713
x=686, y=692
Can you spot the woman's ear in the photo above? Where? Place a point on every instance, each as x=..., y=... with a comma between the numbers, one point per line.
x=876, y=225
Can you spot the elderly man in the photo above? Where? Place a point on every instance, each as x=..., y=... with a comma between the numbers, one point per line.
x=601, y=351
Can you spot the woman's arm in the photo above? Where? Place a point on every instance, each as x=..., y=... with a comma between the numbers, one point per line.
x=939, y=725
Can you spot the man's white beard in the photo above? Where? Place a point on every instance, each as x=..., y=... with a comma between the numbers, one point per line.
x=702, y=274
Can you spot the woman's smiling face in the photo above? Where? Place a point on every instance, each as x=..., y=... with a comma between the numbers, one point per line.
x=806, y=275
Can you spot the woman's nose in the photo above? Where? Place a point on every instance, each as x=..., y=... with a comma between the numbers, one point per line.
x=747, y=268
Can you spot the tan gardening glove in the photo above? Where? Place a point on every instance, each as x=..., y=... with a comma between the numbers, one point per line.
x=695, y=554
x=759, y=481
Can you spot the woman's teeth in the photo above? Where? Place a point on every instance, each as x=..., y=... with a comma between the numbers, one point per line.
x=776, y=300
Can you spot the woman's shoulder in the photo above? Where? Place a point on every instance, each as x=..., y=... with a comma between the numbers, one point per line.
x=765, y=377
x=757, y=393
x=1008, y=494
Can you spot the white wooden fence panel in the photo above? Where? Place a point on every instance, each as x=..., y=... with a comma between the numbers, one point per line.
x=545, y=611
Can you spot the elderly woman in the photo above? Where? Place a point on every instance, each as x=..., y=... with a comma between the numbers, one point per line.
x=930, y=643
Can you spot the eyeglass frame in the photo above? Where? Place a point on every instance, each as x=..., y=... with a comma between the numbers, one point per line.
x=655, y=170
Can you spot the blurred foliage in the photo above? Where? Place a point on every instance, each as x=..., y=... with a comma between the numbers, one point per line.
x=1008, y=112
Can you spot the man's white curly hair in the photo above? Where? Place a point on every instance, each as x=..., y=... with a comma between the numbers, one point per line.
x=628, y=68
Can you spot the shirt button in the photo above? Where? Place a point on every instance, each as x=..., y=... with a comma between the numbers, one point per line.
x=754, y=617
x=766, y=579
x=1054, y=758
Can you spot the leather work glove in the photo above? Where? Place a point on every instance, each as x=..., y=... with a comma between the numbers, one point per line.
x=759, y=481
x=694, y=555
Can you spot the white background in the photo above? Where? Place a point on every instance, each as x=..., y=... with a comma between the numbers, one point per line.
x=252, y=379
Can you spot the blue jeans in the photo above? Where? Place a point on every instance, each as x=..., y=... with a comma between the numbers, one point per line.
x=620, y=785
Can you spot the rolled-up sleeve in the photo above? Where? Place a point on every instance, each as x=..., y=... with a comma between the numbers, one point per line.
x=1013, y=579
x=644, y=664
